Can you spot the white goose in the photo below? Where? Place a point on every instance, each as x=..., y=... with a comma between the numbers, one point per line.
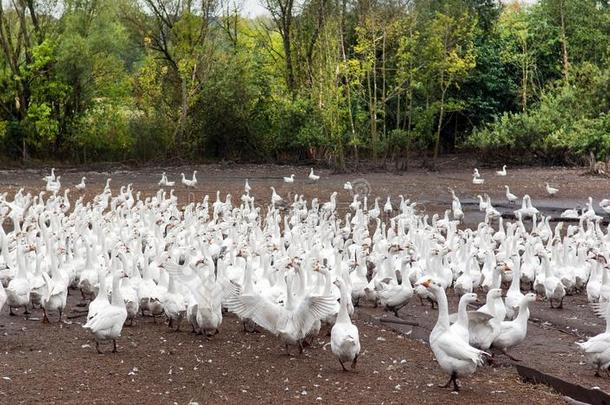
x=512, y=333
x=501, y=172
x=551, y=190
x=190, y=183
x=455, y=356
x=510, y=196
x=312, y=176
x=477, y=180
x=344, y=337
x=3, y=296
x=107, y=323
x=291, y=322
x=18, y=289
x=597, y=348
x=289, y=179
x=81, y=186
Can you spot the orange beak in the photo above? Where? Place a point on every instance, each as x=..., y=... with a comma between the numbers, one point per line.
x=427, y=283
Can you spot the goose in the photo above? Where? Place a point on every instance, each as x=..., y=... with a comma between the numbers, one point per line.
x=173, y=304
x=101, y=299
x=18, y=289
x=107, y=323
x=551, y=190
x=289, y=179
x=455, y=356
x=514, y=294
x=206, y=311
x=482, y=203
x=344, y=337
x=290, y=322
x=597, y=348
x=464, y=283
x=395, y=297
x=477, y=180
x=53, y=186
x=50, y=177
x=347, y=186
x=190, y=183
x=375, y=211
x=570, y=213
x=3, y=296
x=510, y=196
x=275, y=198
x=387, y=207
x=56, y=295
x=501, y=172
x=605, y=205
x=527, y=209
x=247, y=187
x=482, y=329
x=163, y=181
x=513, y=333
x=554, y=289
x=461, y=324
x=312, y=176
x=81, y=186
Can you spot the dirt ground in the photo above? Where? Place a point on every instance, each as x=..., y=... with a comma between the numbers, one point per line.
x=57, y=363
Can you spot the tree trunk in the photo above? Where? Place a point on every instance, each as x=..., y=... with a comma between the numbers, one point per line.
x=564, y=41
x=440, y=124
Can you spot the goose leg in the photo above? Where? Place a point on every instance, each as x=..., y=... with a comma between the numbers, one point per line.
x=45, y=319
x=354, y=362
x=10, y=311
x=25, y=310
x=456, y=387
x=61, y=312
x=561, y=303
x=114, y=350
x=342, y=366
x=97, y=347
x=300, y=347
x=551, y=302
x=597, y=374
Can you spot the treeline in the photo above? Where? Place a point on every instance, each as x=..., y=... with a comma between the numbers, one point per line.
x=333, y=80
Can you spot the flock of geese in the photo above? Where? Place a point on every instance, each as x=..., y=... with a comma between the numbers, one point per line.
x=292, y=267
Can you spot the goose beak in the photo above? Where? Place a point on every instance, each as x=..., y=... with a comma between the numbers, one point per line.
x=427, y=283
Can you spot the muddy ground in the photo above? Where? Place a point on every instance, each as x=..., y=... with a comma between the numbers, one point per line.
x=57, y=363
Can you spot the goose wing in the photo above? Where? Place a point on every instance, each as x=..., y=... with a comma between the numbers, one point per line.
x=311, y=309
x=106, y=318
x=474, y=317
x=459, y=349
x=259, y=309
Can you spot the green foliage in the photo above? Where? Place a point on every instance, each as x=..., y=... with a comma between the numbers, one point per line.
x=153, y=79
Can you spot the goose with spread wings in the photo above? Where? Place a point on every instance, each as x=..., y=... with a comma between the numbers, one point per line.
x=291, y=322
